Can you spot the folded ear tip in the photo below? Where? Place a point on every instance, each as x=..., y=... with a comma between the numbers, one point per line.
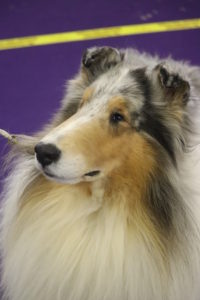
x=187, y=85
x=171, y=80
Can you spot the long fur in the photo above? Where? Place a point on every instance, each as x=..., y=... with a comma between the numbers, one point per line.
x=133, y=234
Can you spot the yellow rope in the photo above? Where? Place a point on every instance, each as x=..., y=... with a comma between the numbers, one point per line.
x=74, y=36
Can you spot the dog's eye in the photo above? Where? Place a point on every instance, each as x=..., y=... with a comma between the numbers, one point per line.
x=116, y=118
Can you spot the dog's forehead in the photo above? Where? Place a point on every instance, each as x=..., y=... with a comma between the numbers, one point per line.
x=114, y=81
x=117, y=82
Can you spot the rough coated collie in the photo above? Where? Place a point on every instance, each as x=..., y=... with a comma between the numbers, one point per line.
x=104, y=202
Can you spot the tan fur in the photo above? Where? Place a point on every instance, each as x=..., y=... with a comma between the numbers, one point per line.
x=55, y=215
x=87, y=95
x=121, y=168
x=118, y=104
x=105, y=138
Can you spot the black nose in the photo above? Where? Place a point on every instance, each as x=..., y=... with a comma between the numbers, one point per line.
x=47, y=153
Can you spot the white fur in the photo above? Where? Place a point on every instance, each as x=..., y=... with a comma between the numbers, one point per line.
x=70, y=246
x=76, y=249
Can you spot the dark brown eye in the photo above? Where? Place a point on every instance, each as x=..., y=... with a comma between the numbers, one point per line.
x=116, y=118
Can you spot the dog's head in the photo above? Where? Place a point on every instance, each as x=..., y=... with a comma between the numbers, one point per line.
x=126, y=118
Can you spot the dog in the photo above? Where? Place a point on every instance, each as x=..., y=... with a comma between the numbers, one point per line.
x=105, y=203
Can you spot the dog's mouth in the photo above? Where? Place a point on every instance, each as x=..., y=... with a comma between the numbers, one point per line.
x=89, y=176
x=49, y=174
x=92, y=173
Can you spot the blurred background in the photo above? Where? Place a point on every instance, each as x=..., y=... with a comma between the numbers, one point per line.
x=32, y=79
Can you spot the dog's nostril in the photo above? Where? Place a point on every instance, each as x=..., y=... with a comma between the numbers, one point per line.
x=47, y=153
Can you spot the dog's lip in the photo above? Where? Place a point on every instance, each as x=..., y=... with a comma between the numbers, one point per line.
x=59, y=178
x=92, y=173
x=87, y=176
x=49, y=174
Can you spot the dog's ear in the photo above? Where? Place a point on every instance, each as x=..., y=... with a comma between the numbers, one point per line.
x=95, y=61
x=98, y=60
x=174, y=87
